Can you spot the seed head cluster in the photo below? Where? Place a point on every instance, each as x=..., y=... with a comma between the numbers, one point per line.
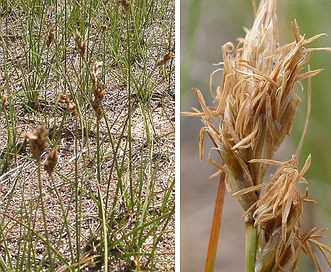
x=50, y=36
x=51, y=161
x=81, y=44
x=65, y=99
x=38, y=143
x=98, y=89
x=254, y=111
x=125, y=4
x=167, y=57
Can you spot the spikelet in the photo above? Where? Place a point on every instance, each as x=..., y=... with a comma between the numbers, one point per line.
x=50, y=36
x=166, y=57
x=64, y=99
x=81, y=44
x=37, y=141
x=51, y=161
x=98, y=89
x=125, y=4
x=3, y=103
x=277, y=216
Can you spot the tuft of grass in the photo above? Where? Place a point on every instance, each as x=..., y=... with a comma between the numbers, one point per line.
x=93, y=73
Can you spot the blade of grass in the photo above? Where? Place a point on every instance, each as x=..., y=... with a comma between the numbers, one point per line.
x=216, y=225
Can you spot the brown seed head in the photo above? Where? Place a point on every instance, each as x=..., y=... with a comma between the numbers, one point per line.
x=66, y=100
x=81, y=44
x=255, y=106
x=256, y=103
x=51, y=36
x=278, y=215
x=96, y=70
x=104, y=27
x=3, y=101
x=98, y=89
x=168, y=56
x=125, y=5
x=51, y=161
x=38, y=141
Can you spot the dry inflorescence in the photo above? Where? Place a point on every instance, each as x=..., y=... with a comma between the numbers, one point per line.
x=3, y=101
x=38, y=141
x=50, y=36
x=167, y=57
x=51, y=161
x=98, y=89
x=81, y=44
x=65, y=99
x=255, y=108
x=125, y=4
x=277, y=215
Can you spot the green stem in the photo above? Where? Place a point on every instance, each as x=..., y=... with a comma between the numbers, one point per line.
x=251, y=246
x=102, y=212
x=78, y=197
x=44, y=217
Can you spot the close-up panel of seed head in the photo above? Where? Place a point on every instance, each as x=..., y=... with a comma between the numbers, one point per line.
x=260, y=95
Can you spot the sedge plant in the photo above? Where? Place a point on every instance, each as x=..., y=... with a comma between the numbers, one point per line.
x=99, y=76
x=254, y=109
x=38, y=142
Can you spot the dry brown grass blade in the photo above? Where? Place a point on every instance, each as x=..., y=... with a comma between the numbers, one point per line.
x=216, y=225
